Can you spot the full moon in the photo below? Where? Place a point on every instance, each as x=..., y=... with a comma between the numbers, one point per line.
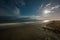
x=46, y=11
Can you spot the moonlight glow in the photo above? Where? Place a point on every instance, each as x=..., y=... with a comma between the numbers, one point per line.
x=46, y=11
x=46, y=21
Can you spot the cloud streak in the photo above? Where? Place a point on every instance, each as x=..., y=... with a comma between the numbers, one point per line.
x=55, y=7
x=16, y=12
x=48, y=4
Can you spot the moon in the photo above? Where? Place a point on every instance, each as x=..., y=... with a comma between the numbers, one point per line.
x=47, y=11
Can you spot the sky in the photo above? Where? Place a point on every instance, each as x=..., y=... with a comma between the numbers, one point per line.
x=34, y=9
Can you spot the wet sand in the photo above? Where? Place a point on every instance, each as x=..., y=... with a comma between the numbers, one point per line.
x=30, y=31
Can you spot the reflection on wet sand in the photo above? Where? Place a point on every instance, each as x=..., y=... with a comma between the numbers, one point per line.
x=30, y=31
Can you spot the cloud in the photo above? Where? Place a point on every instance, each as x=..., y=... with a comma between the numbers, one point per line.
x=48, y=4
x=20, y=3
x=33, y=17
x=51, y=7
x=41, y=6
x=16, y=12
x=55, y=7
x=23, y=3
x=11, y=7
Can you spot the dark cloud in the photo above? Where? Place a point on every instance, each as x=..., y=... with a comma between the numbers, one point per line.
x=10, y=7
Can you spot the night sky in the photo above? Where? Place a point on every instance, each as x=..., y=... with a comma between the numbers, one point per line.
x=34, y=9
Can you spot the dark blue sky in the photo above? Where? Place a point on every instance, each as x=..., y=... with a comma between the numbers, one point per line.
x=32, y=6
x=25, y=7
x=18, y=8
